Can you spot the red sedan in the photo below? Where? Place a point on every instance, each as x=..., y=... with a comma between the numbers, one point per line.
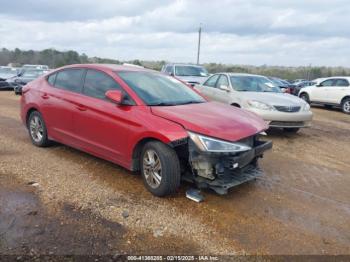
x=143, y=120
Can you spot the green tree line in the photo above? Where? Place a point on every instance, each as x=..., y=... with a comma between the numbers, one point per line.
x=54, y=58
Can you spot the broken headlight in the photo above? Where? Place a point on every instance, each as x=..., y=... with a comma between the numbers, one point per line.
x=209, y=144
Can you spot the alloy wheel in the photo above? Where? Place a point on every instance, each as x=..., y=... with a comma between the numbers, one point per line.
x=152, y=168
x=346, y=106
x=36, y=129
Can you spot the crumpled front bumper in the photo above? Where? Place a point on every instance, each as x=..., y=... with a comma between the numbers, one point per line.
x=227, y=169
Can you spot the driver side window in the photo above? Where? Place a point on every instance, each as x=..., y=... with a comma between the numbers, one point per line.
x=211, y=82
x=169, y=70
x=328, y=82
x=97, y=84
x=223, y=81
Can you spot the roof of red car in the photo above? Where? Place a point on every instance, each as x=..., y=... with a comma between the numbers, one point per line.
x=113, y=67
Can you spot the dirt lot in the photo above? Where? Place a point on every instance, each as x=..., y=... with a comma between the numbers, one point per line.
x=83, y=205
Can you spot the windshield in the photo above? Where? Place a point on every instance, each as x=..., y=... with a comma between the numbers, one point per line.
x=32, y=73
x=190, y=71
x=253, y=84
x=277, y=82
x=160, y=90
x=285, y=82
x=6, y=70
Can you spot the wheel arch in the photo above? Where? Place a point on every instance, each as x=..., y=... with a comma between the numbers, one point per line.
x=345, y=97
x=303, y=92
x=29, y=111
x=236, y=105
x=136, y=152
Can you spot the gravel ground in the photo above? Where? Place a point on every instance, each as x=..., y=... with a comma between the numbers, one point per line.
x=80, y=204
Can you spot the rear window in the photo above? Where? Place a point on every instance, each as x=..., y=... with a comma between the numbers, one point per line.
x=70, y=79
x=341, y=82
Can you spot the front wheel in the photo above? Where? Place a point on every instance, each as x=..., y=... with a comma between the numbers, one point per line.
x=291, y=130
x=160, y=168
x=345, y=106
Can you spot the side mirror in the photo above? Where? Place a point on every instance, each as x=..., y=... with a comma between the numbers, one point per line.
x=115, y=96
x=224, y=88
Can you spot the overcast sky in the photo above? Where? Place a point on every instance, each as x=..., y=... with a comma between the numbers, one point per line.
x=256, y=32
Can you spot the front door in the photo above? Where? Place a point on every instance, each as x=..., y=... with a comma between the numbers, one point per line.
x=222, y=90
x=320, y=92
x=102, y=126
x=207, y=88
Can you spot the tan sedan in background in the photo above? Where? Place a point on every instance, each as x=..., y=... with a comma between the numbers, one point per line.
x=259, y=95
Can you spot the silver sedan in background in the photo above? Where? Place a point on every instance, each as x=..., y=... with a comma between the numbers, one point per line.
x=259, y=95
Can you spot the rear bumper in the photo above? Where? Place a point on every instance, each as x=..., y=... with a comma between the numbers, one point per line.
x=221, y=171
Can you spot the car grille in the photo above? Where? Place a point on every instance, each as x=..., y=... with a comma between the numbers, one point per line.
x=286, y=124
x=288, y=109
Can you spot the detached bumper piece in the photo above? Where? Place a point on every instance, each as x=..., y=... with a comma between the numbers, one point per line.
x=222, y=171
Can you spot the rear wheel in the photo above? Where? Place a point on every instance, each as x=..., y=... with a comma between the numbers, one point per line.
x=345, y=106
x=291, y=130
x=305, y=97
x=37, y=130
x=160, y=168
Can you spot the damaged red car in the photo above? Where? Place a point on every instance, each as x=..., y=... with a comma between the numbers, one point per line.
x=145, y=121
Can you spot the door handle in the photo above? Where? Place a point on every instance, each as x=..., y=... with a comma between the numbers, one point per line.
x=81, y=108
x=45, y=96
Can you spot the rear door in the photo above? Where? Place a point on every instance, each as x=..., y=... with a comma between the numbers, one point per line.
x=102, y=126
x=339, y=90
x=59, y=103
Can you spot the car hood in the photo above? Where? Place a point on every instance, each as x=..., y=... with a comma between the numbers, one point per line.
x=193, y=79
x=276, y=99
x=213, y=119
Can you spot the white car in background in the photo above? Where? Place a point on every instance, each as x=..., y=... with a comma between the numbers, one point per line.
x=259, y=95
x=332, y=91
x=191, y=74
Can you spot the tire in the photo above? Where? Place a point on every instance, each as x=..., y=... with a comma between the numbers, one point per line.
x=291, y=130
x=37, y=130
x=305, y=97
x=160, y=179
x=345, y=106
